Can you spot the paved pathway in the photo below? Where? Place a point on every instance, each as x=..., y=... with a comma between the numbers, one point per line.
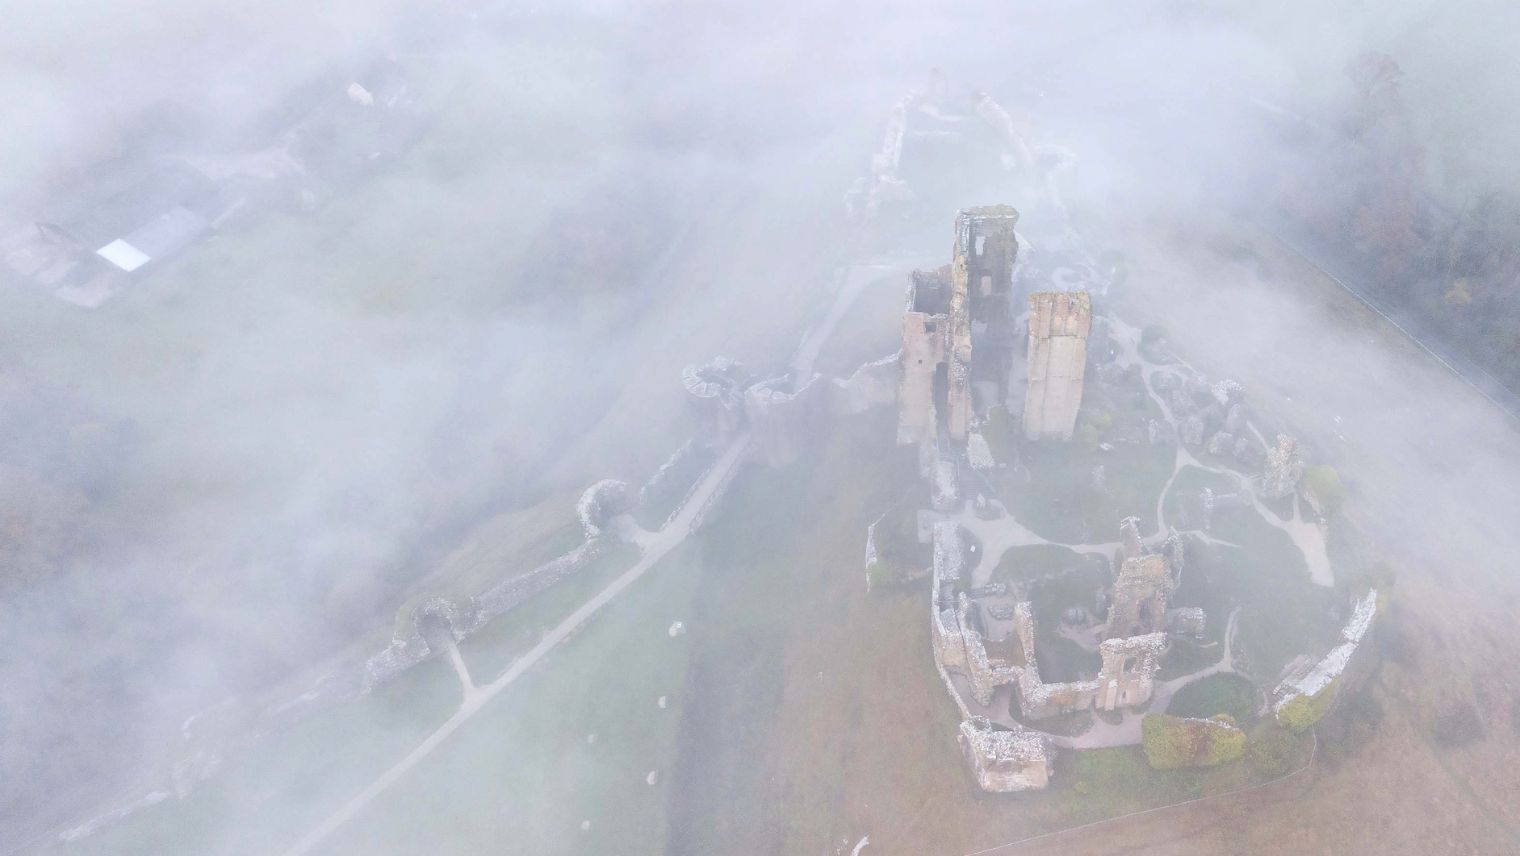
x=466, y=683
x=1307, y=535
x=1126, y=732
x=655, y=547
x=1003, y=533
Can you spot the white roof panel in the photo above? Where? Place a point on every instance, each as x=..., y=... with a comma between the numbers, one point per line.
x=123, y=255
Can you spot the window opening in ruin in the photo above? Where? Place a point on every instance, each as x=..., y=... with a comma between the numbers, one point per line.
x=981, y=241
x=1129, y=665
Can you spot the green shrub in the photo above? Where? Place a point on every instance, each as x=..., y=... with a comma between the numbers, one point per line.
x=1273, y=750
x=1325, y=482
x=1171, y=742
x=1088, y=436
x=1301, y=712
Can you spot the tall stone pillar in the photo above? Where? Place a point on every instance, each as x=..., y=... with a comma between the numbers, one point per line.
x=1058, y=326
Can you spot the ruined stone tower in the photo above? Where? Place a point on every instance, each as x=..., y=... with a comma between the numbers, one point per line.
x=985, y=250
x=952, y=313
x=1058, y=326
x=1283, y=470
x=1140, y=597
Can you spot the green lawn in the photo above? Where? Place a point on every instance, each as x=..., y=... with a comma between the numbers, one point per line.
x=1224, y=693
x=522, y=776
x=265, y=797
x=1283, y=614
x=1024, y=564
x=781, y=542
x=1060, y=503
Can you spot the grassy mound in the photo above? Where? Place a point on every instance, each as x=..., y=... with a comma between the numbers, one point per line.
x=1171, y=742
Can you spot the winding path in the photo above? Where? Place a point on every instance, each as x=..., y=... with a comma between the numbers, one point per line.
x=1307, y=535
x=654, y=546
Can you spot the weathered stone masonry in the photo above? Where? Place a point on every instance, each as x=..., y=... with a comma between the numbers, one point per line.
x=958, y=329
x=1058, y=327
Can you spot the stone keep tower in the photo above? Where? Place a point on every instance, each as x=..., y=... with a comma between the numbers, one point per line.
x=1058, y=327
x=958, y=328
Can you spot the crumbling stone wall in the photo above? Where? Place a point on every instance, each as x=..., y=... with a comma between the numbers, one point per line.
x=782, y=421
x=1129, y=664
x=676, y=477
x=1128, y=674
x=1139, y=600
x=1057, y=361
x=781, y=414
x=1038, y=699
x=409, y=645
x=958, y=646
x=958, y=328
x=945, y=631
x=981, y=269
x=1015, y=150
x=715, y=399
x=984, y=673
x=925, y=386
x=872, y=385
x=885, y=184
x=1005, y=761
x=1284, y=468
x=599, y=504
x=1307, y=690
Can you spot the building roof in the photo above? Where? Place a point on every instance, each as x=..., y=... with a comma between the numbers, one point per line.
x=124, y=255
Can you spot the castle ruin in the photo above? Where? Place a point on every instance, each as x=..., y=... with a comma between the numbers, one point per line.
x=1284, y=467
x=781, y=413
x=957, y=330
x=1140, y=596
x=1058, y=326
x=985, y=661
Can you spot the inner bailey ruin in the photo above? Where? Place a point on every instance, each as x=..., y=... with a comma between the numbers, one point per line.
x=926, y=126
x=1140, y=596
x=956, y=366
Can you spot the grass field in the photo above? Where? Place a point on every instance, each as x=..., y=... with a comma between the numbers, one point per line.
x=1053, y=493
x=1216, y=694
x=815, y=715
x=268, y=795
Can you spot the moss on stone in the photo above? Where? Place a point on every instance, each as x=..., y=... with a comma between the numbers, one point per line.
x=1301, y=712
x=1172, y=742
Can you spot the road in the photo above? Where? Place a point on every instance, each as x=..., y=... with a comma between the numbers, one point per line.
x=655, y=546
